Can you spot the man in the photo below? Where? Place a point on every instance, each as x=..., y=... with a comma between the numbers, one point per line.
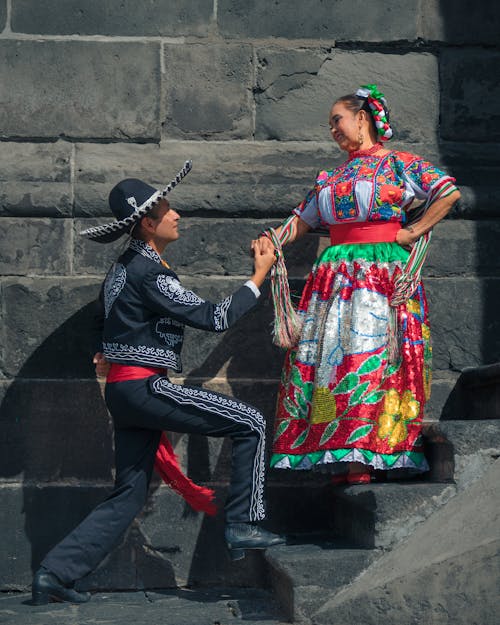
x=145, y=309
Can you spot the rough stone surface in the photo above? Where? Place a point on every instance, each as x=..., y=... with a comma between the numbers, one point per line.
x=40, y=415
x=110, y=90
x=181, y=606
x=461, y=248
x=470, y=93
x=460, y=21
x=343, y=20
x=3, y=13
x=208, y=91
x=302, y=575
x=381, y=515
x=35, y=179
x=215, y=246
x=465, y=449
x=465, y=331
x=296, y=90
x=46, y=320
x=112, y=17
x=445, y=572
x=228, y=177
x=38, y=246
x=265, y=178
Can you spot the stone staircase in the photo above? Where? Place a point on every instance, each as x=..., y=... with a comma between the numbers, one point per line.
x=360, y=529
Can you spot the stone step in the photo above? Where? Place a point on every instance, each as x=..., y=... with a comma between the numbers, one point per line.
x=304, y=575
x=382, y=514
x=476, y=394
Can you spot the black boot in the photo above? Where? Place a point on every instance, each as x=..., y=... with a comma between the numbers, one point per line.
x=47, y=587
x=241, y=536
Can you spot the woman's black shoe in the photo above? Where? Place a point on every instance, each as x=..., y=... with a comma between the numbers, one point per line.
x=47, y=587
x=241, y=536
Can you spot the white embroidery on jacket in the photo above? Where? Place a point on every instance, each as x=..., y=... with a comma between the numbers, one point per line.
x=220, y=314
x=144, y=250
x=114, y=283
x=173, y=289
x=155, y=356
x=171, y=339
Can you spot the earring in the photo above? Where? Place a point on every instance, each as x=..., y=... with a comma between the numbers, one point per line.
x=361, y=138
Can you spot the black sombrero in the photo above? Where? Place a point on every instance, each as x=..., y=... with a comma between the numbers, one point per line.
x=129, y=201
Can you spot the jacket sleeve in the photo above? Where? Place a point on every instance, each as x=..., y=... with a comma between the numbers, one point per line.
x=164, y=294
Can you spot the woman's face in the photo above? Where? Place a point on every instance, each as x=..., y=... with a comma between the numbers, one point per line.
x=345, y=127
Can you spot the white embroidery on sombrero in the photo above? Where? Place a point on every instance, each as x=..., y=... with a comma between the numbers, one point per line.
x=132, y=201
x=96, y=232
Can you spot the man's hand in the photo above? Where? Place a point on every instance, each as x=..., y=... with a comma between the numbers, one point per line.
x=102, y=366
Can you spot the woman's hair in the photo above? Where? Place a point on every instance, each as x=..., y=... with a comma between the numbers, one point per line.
x=356, y=103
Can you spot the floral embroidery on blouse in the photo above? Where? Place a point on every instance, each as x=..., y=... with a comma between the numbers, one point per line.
x=371, y=188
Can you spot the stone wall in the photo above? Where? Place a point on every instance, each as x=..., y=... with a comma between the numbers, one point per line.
x=91, y=92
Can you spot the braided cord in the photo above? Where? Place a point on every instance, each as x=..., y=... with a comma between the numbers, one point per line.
x=287, y=324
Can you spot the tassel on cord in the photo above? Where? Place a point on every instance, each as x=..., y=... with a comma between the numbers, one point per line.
x=287, y=324
x=199, y=498
x=404, y=287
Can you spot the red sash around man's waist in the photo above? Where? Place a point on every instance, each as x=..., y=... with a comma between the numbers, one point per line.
x=364, y=232
x=123, y=373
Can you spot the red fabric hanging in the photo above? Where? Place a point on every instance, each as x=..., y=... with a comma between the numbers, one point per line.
x=198, y=497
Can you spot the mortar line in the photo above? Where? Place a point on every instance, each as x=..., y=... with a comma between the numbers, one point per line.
x=8, y=17
x=254, y=86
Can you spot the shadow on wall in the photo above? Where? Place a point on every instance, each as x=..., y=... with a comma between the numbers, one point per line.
x=469, y=108
x=57, y=433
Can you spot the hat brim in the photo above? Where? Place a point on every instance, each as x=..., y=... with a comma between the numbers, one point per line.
x=110, y=232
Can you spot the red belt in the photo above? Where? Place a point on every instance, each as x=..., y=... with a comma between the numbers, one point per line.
x=122, y=373
x=363, y=232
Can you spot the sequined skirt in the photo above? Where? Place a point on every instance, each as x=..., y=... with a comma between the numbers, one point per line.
x=340, y=400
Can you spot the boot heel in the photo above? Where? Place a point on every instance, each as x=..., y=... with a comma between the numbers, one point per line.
x=236, y=554
x=39, y=597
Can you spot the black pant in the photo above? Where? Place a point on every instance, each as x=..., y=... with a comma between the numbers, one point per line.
x=141, y=409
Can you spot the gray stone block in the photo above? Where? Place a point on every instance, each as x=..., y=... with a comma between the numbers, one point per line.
x=239, y=178
x=461, y=589
x=34, y=246
x=3, y=14
x=296, y=89
x=469, y=95
x=168, y=545
x=216, y=247
x=443, y=383
x=48, y=436
x=465, y=332
x=80, y=89
x=182, y=606
x=462, y=450
x=446, y=571
x=381, y=515
x=303, y=575
x=464, y=248
x=343, y=20
x=460, y=21
x=112, y=17
x=208, y=90
x=35, y=179
x=47, y=327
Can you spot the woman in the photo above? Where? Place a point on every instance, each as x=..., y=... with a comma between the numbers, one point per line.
x=354, y=385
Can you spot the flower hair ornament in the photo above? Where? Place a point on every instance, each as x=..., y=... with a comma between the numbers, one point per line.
x=378, y=107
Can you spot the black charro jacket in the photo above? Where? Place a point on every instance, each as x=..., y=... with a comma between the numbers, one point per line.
x=144, y=309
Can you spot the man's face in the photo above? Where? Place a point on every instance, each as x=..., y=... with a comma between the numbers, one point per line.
x=166, y=224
